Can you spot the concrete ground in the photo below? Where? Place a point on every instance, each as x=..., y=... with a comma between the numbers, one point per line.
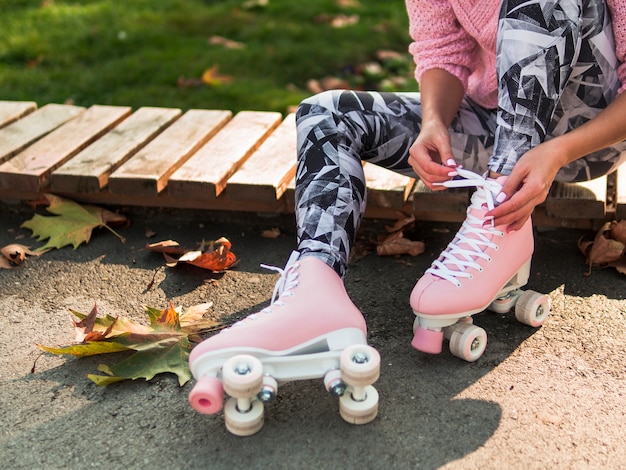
x=551, y=397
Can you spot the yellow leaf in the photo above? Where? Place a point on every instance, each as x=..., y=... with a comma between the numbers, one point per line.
x=211, y=77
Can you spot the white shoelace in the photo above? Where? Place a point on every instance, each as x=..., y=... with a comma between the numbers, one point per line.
x=288, y=278
x=472, y=239
x=287, y=281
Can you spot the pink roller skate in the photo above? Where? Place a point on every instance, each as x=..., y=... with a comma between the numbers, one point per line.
x=482, y=268
x=312, y=330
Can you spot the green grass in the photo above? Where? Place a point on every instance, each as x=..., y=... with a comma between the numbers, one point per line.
x=133, y=52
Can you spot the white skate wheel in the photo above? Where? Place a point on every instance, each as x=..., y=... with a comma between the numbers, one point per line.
x=207, y=396
x=242, y=376
x=359, y=412
x=532, y=308
x=467, y=341
x=243, y=423
x=502, y=305
x=360, y=365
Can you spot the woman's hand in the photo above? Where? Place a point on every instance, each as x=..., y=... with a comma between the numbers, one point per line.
x=431, y=156
x=528, y=185
x=431, y=153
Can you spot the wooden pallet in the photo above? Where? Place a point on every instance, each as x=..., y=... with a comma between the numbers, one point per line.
x=212, y=159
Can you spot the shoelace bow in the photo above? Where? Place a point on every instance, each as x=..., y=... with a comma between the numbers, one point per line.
x=474, y=236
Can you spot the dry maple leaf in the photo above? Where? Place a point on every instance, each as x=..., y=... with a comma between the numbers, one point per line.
x=162, y=346
x=214, y=259
x=83, y=329
x=71, y=224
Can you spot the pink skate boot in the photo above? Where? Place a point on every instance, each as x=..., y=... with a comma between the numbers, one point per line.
x=312, y=330
x=482, y=268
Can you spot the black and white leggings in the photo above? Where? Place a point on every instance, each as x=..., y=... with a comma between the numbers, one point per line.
x=556, y=68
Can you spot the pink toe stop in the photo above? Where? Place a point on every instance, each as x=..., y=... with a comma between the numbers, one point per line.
x=428, y=341
x=207, y=396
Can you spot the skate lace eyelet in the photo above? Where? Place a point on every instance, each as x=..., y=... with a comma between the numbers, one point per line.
x=489, y=259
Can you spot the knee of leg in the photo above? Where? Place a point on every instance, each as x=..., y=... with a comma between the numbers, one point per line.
x=320, y=103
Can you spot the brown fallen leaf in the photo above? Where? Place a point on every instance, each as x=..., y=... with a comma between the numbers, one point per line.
x=603, y=250
x=271, y=233
x=225, y=42
x=14, y=254
x=396, y=244
x=338, y=21
x=327, y=83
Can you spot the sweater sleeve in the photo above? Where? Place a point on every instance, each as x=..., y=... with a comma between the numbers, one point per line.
x=439, y=41
x=618, y=18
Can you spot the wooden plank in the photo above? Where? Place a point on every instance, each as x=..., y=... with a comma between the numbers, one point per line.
x=386, y=188
x=162, y=200
x=585, y=200
x=620, y=211
x=147, y=172
x=89, y=170
x=19, y=135
x=449, y=205
x=267, y=173
x=206, y=173
x=30, y=169
x=372, y=211
x=11, y=111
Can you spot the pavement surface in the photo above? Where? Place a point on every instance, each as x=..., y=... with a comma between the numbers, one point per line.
x=551, y=397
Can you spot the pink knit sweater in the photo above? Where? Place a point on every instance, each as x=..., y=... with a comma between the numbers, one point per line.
x=459, y=36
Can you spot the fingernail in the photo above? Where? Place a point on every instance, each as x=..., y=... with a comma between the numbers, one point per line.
x=501, y=197
x=451, y=162
x=453, y=173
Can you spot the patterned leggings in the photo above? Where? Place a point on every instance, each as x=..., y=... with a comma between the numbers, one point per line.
x=550, y=81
